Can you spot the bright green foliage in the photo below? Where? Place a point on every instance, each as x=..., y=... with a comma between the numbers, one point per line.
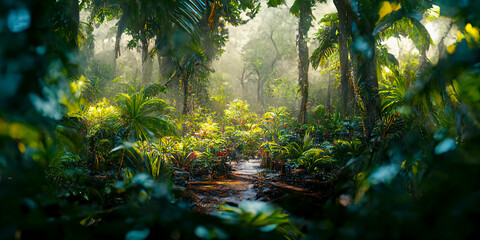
x=181, y=153
x=346, y=150
x=145, y=158
x=243, y=130
x=313, y=159
x=136, y=114
x=274, y=120
x=418, y=171
x=239, y=116
x=327, y=35
x=261, y=215
x=101, y=116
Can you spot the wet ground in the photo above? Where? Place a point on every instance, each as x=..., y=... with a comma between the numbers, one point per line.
x=240, y=186
x=246, y=183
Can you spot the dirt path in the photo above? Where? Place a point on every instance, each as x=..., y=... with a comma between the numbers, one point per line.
x=246, y=183
x=208, y=194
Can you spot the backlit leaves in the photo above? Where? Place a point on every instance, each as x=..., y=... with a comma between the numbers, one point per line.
x=387, y=7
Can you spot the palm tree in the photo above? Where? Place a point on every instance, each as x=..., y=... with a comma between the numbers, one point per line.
x=191, y=60
x=394, y=18
x=328, y=37
x=145, y=19
x=137, y=116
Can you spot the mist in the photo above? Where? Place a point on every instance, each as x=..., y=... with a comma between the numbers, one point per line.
x=259, y=62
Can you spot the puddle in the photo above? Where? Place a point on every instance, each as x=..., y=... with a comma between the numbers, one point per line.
x=238, y=188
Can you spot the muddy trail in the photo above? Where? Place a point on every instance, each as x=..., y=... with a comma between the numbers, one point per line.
x=248, y=183
x=238, y=187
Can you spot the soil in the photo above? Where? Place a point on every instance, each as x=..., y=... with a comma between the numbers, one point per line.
x=248, y=182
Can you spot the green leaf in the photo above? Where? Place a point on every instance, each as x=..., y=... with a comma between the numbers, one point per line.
x=275, y=3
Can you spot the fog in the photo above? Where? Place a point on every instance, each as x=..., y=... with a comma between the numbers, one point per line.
x=256, y=34
x=260, y=54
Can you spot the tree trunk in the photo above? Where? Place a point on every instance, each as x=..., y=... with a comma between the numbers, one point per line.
x=146, y=62
x=343, y=54
x=303, y=62
x=186, y=94
x=121, y=26
x=242, y=81
x=329, y=94
x=369, y=82
x=261, y=84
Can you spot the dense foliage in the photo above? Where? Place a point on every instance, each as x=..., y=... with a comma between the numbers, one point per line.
x=89, y=149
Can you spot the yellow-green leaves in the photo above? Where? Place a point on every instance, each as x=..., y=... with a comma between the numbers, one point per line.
x=387, y=7
x=25, y=135
x=470, y=33
x=473, y=34
x=451, y=48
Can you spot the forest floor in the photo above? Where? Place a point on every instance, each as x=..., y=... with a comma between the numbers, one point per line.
x=247, y=182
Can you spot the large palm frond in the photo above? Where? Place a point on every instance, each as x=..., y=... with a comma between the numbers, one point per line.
x=328, y=46
x=188, y=13
x=328, y=37
x=402, y=24
x=136, y=112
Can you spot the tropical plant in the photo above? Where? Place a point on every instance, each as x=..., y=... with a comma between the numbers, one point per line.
x=270, y=152
x=69, y=174
x=182, y=154
x=260, y=215
x=314, y=159
x=239, y=115
x=145, y=158
x=273, y=121
x=294, y=150
x=97, y=127
x=146, y=19
x=137, y=116
x=345, y=150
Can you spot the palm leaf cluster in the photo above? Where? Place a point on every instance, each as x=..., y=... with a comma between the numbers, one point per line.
x=137, y=112
x=328, y=40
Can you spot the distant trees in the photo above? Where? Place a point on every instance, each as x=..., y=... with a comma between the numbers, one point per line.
x=265, y=54
x=198, y=23
x=145, y=20
x=303, y=10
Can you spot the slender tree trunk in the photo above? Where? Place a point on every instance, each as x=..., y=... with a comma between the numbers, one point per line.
x=186, y=94
x=242, y=80
x=343, y=54
x=261, y=84
x=160, y=70
x=329, y=94
x=355, y=66
x=303, y=63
